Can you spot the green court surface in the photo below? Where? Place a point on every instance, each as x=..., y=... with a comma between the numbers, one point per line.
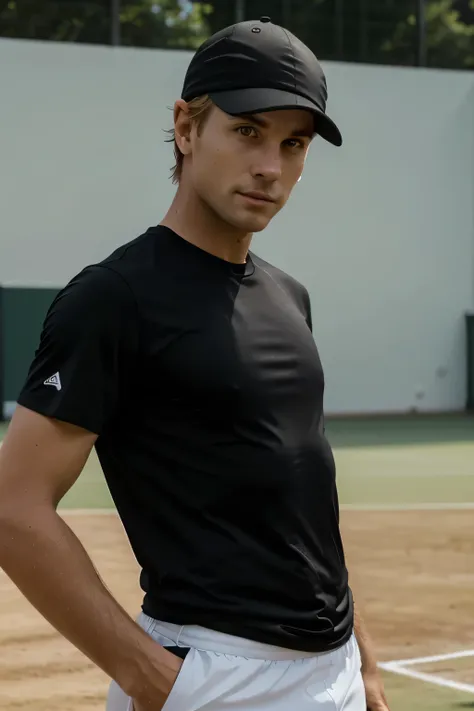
x=386, y=462
x=381, y=462
x=410, y=695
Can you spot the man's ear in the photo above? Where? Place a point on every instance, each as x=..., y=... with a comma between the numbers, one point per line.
x=182, y=127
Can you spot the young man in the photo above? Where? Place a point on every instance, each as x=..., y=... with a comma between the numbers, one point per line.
x=189, y=363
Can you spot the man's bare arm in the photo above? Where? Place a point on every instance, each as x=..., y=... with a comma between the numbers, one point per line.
x=366, y=646
x=374, y=687
x=40, y=460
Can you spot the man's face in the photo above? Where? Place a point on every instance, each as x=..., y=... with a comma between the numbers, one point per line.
x=245, y=168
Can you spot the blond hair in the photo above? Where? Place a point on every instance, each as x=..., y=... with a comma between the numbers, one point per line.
x=199, y=110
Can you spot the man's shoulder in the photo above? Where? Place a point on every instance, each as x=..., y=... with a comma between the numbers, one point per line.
x=132, y=255
x=121, y=270
x=279, y=275
x=294, y=288
x=106, y=285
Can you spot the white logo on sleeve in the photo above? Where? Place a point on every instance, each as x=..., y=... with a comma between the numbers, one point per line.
x=54, y=380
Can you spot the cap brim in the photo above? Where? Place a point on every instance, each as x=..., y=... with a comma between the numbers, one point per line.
x=253, y=101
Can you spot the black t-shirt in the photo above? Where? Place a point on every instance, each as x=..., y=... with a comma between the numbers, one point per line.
x=204, y=384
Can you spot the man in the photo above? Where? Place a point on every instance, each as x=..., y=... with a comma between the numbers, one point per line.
x=189, y=364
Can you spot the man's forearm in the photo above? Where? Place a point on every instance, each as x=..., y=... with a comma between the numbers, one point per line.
x=367, y=651
x=49, y=565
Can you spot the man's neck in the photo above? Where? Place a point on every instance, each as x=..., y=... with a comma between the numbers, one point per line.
x=192, y=220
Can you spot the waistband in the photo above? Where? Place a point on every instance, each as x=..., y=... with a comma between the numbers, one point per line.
x=208, y=640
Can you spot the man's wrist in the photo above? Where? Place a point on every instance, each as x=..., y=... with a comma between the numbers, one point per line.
x=369, y=664
x=151, y=669
x=366, y=648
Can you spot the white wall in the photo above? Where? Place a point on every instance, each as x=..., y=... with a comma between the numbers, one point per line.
x=381, y=231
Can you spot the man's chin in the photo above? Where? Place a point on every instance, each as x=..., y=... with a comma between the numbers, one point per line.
x=254, y=224
x=260, y=227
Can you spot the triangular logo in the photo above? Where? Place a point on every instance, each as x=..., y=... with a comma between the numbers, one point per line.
x=54, y=380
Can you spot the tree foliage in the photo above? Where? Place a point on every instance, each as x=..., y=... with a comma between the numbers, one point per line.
x=143, y=23
x=167, y=23
x=66, y=21
x=449, y=34
x=380, y=31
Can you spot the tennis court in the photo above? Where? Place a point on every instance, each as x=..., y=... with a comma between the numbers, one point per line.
x=407, y=492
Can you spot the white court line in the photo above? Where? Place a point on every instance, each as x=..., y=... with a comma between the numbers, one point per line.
x=429, y=678
x=87, y=512
x=343, y=507
x=469, y=506
x=436, y=658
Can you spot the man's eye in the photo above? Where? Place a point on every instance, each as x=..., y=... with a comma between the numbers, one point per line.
x=247, y=131
x=294, y=143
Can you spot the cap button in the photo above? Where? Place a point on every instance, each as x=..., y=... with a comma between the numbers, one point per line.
x=265, y=19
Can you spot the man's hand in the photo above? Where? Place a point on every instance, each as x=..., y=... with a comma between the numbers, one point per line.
x=149, y=699
x=374, y=691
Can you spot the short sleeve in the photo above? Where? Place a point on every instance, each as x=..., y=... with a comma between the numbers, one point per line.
x=86, y=349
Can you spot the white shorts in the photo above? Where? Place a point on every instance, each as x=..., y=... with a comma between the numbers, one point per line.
x=226, y=673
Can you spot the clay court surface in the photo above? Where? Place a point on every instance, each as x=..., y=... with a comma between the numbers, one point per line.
x=412, y=573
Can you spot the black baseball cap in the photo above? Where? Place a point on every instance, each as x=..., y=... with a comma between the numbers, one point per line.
x=257, y=66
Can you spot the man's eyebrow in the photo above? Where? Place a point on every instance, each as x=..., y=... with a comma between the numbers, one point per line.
x=302, y=131
x=305, y=131
x=251, y=118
